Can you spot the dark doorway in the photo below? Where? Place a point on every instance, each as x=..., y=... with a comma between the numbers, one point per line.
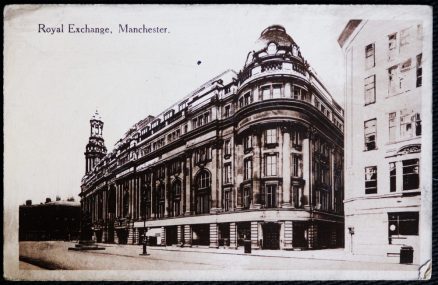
x=224, y=234
x=201, y=234
x=299, y=239
x=324, y=234
x=99, y=236
x=122, y=235
x=243, y=230
x=171, y=235
x=271, y=236
x=110, y=234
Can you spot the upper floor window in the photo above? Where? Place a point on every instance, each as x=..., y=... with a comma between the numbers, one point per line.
x=271, y=136
x=227, y=109
x=392, y=46
x=296, y=92
x=405, y=38
x=369, y=56
x=371, y=180
x=370, y=89
x=297, y=164
x=392, y=126
x=247, y=169
x=392, y=177
x=227, y=200
x=227, y=173
x=265, y=93
x=419, y=70
x=271, y=165
x=370, y=127
x=410, y=124
x=182, y=106
x=411, y=174
x=276, y=91
x=168, y=115
x=247, y=143
x=155, y=123
x=227, y=148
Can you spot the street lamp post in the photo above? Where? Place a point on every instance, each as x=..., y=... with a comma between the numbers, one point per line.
x=144, y=224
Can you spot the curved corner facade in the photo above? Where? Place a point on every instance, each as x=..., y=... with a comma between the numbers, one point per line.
x=254, y=155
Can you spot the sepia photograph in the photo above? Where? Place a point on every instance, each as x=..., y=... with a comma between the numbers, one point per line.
x=217, y=142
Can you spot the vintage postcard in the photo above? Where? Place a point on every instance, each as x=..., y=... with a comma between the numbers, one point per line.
x=217, y=142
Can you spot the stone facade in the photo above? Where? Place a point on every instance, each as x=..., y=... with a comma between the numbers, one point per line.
x=254, y=155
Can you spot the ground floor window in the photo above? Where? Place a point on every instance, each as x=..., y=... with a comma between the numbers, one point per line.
x=411, y=174
x=402, y=224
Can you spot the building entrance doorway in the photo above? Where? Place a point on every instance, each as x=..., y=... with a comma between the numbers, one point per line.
x=298, y=237
x=171, y=235
x=271, y=236
x=201, y=234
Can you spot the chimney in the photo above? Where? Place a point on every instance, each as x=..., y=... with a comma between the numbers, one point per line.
x=48, y=200
x=28, y=202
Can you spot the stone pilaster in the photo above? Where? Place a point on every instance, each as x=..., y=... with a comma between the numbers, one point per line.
x=131, y=236
x=187, y=235
x=288, y=235
x=286, y=173
x=312, y=236
x=333, y=237
x=306, y=172
x=256, y=170
x=214, y=236
x=233, y=235
x=188, y=185
x=254, y=235
x=163, y=236
x=116, y=237
x=179, y=235
x=105, y=236
x=239, y=174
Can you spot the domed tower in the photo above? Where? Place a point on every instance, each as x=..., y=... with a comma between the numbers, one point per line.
x=95, y=148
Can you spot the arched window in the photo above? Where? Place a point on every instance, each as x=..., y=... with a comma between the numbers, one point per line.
x=176, y=198
x=203, y=183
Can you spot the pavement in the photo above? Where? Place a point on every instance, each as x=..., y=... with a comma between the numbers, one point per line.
x=55, y=255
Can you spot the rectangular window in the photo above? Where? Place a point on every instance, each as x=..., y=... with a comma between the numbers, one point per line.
x=227, y=149
x=168, y=115
x=394, y=80
x=404, y=39
x=369, y=56
x=227, y=200
x=370, y=89
x=227, y=111
x=419, y=68
x=182, y=106
x=227, y=174
x=247, y=141
x=271, y=165
x=296, y=165
x=370, y=134
x=403, y=223
x=271, y=136
x=265, y=93
x=271, y=193
x=206, y=117
x=411, y=174
x=248, y=169
x=392, y=177
x=276, y=91
x=241, y=102
x=194, y=123
x=371, y=180
x=296, y=92
x=246, y=197
x=392, y=126
x=392, y=46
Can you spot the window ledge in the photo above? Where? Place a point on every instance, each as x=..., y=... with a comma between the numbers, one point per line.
x=365, y=150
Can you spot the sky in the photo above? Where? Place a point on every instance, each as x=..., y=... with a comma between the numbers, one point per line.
x=55, y=82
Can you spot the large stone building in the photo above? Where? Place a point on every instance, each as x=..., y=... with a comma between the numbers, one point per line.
x=383, y=97
x=256, y=154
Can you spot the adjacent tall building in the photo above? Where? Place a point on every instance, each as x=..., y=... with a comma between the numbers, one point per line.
x=256, y=154
x=383, y=129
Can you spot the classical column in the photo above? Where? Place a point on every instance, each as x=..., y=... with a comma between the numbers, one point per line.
x=166, y=191
x=188, y=186
x=306, y=170
x=286, y=173
x=288, y=235
x=239, y=174
x=256, y=170
x=214, y=178
x=214, y=242
x=233, y=235
x=188, y=235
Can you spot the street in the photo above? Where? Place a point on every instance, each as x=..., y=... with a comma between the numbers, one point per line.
x=55, y=255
